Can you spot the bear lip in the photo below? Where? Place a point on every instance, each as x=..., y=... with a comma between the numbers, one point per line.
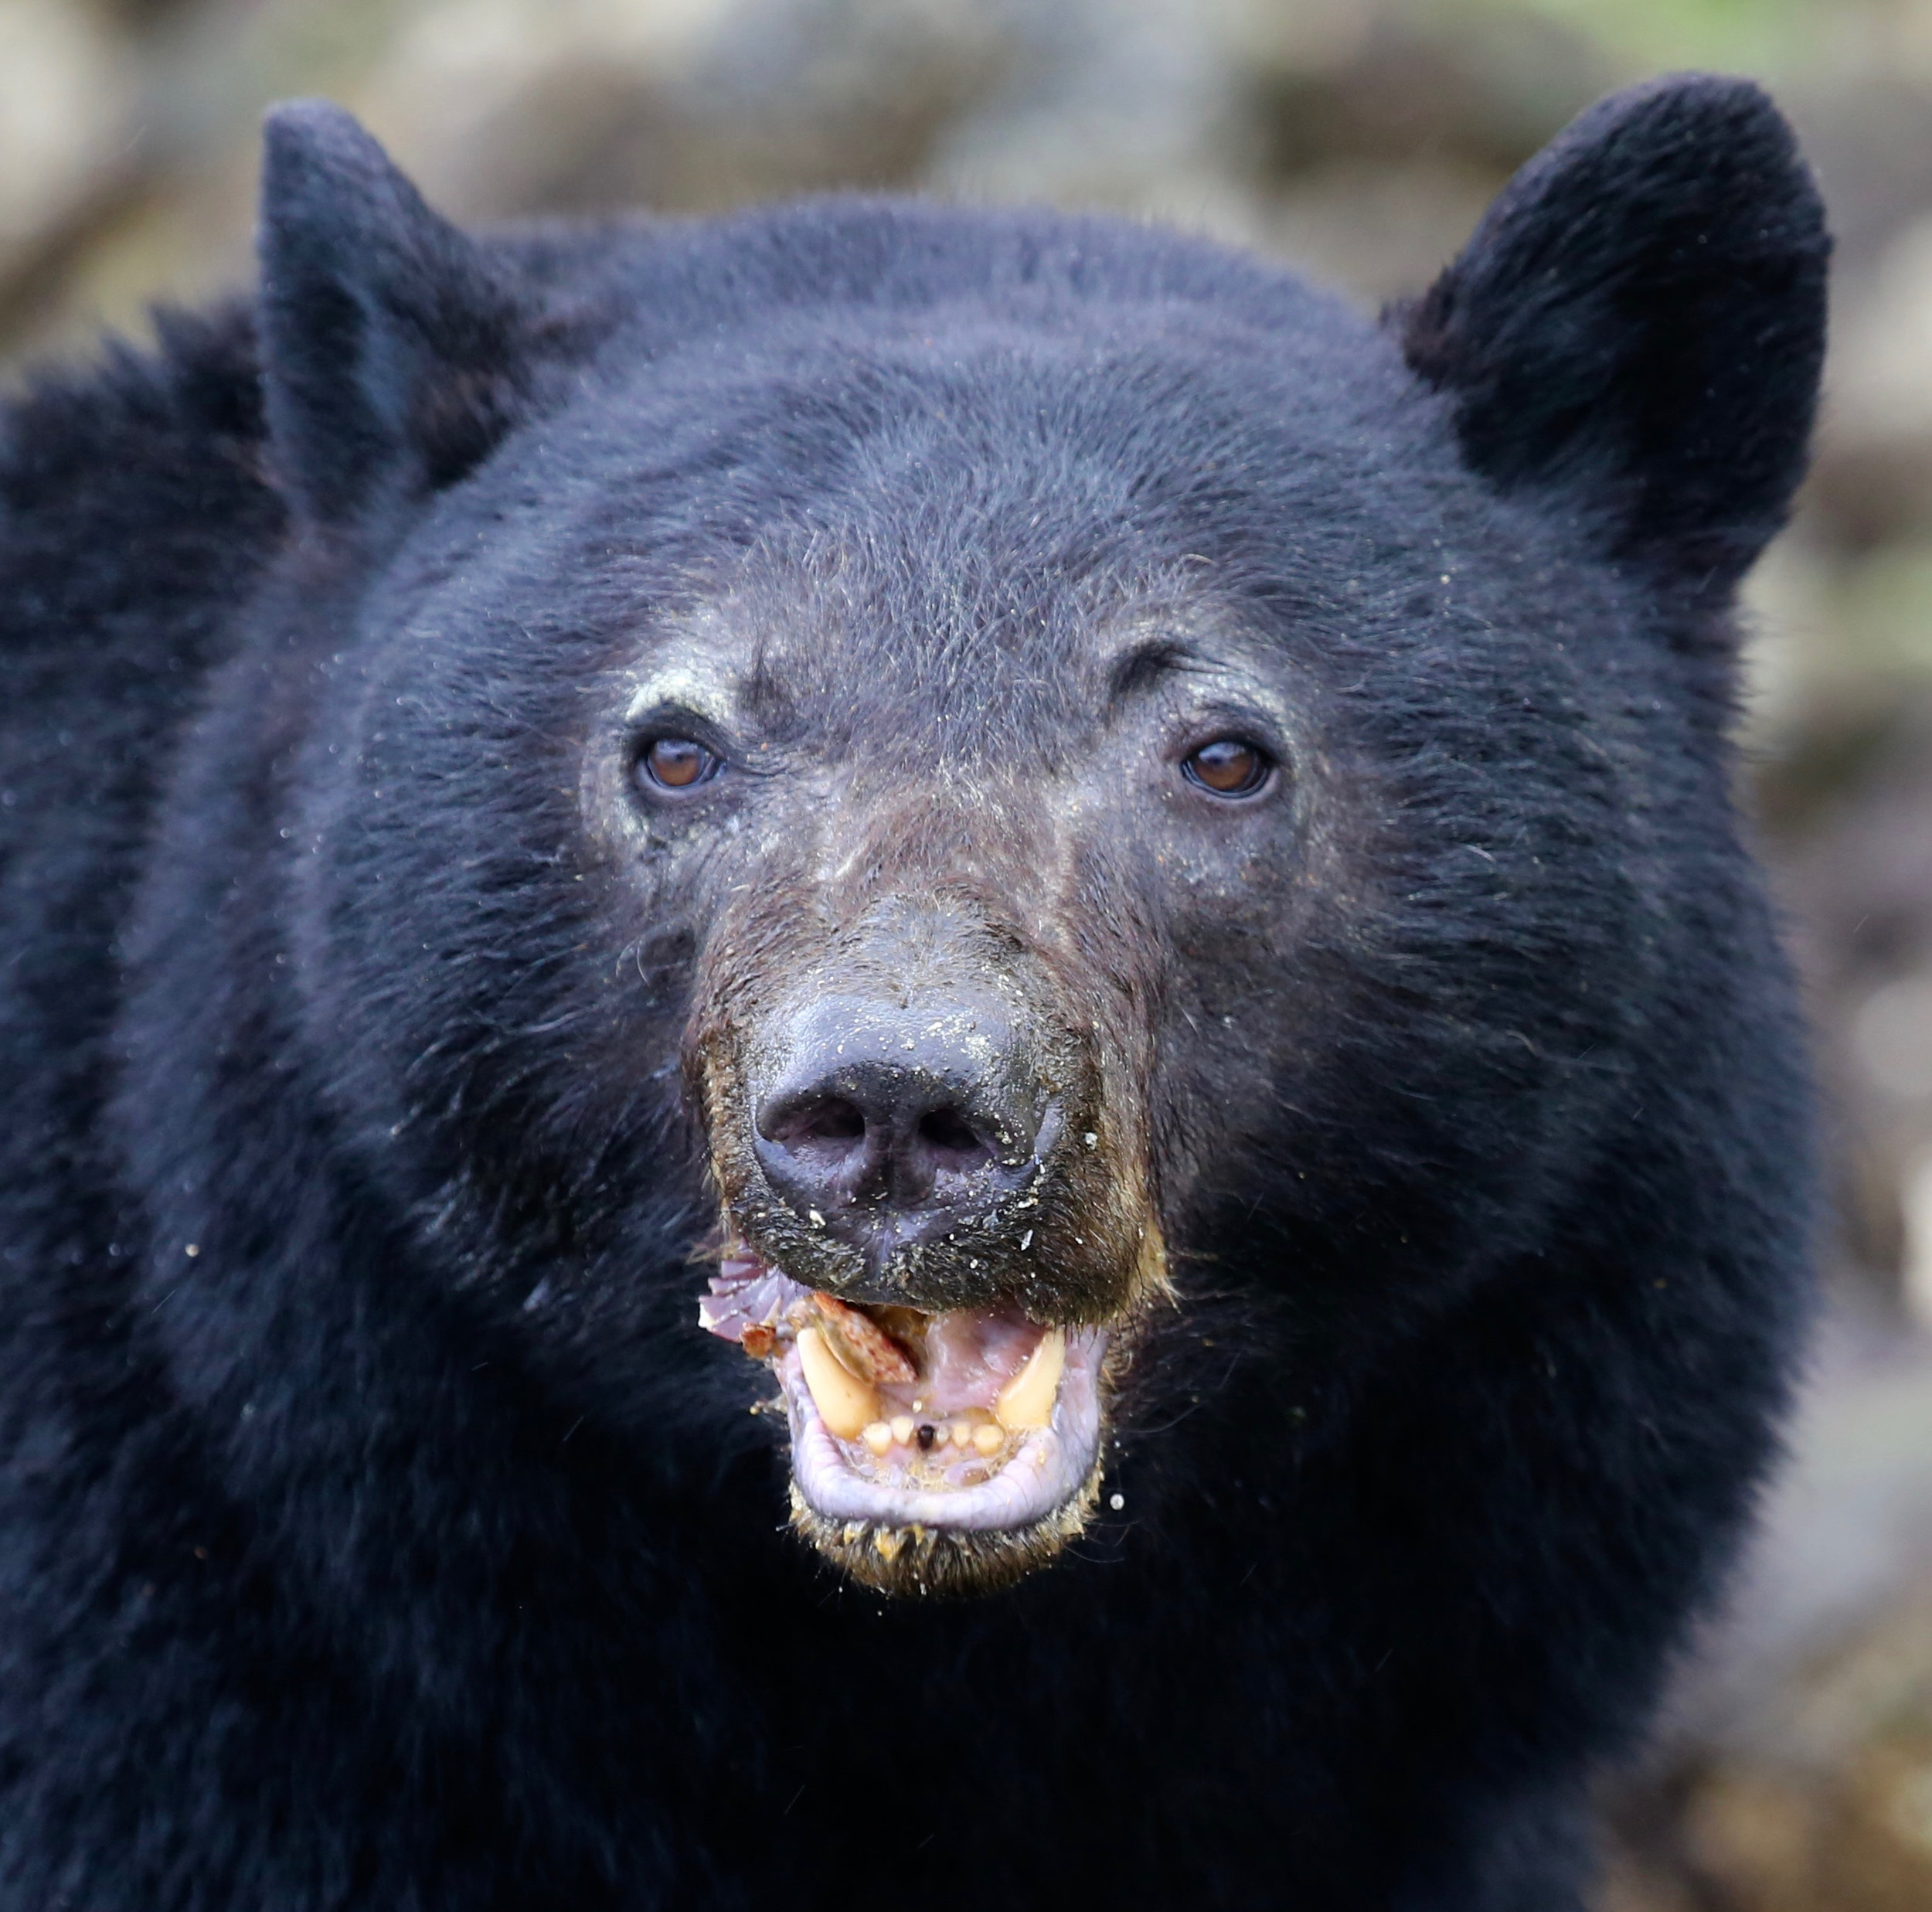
x=917, y=1465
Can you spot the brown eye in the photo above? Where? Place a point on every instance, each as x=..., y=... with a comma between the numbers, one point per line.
x=676, y=764
x=1228, y=767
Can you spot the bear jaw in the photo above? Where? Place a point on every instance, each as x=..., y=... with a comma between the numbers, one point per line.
x=950, y=1532
x=1009, y=1415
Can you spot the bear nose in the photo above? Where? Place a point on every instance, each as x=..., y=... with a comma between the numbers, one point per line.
x=889, y=1127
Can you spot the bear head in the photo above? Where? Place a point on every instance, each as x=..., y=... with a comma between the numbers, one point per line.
x=942, y=789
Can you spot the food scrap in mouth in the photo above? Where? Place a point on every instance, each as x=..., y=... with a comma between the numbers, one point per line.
x=905, y=1424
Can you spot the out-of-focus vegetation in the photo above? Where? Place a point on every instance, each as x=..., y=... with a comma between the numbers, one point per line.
x=1361, y=137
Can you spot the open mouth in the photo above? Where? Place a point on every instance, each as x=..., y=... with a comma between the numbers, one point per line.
x=931, y=1452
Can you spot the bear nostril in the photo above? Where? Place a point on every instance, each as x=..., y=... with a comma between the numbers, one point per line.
x=951, y=1138
x=821, y=1125
x=830, y=1119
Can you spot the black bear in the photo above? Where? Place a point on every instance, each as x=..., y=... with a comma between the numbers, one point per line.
x=995, y=880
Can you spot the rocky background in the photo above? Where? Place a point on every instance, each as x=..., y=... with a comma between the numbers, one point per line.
x=1360, y=137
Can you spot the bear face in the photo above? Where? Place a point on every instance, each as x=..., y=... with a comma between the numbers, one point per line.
x=1089, y=945
x=509, y=741
x=992, y=776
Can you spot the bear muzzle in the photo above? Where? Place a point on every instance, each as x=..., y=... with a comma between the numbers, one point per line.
x=938, y=1230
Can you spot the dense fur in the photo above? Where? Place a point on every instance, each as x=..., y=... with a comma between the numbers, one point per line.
x=377, y=1529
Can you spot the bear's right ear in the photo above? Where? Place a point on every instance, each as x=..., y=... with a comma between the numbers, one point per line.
x=1637, y=326
x=393, y=346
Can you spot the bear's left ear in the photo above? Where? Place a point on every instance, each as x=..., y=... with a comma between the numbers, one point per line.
x=394, y=347
x=1637, y=326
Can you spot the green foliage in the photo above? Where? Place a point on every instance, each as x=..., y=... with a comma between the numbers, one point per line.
x=1770, y=38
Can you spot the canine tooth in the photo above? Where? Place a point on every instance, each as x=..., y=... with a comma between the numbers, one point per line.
x=878, y=1436
x=902, y=1428
x=1027, y=1400
x=987, y=1438
x=846, y=1404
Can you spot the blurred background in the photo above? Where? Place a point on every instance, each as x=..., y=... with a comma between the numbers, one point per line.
x=1360, y=139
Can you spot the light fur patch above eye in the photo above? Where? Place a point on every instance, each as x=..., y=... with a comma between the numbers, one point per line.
x=682, y=688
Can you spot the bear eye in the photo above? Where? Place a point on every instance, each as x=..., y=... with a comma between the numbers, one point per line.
x=676, y=764
x=1228, y=767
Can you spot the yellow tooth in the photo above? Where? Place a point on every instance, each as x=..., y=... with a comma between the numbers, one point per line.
x=1027, y=1400
x=962, y=1433
x=878, y=1436
x=987, y=1439
x=847, y=1405
x=902, y=1427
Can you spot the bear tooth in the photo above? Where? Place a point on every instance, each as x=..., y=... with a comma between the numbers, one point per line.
x=1027, y=1400
x=846, y=1405
x=902, y=1427
x=962, y=1432
x=987, y=1438
x=878, y=1436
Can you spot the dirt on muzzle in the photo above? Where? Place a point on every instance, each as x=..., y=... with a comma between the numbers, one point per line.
x=917, y=1109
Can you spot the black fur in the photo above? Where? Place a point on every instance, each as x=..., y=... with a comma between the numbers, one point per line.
x=377, y=1529
x=1614, y=331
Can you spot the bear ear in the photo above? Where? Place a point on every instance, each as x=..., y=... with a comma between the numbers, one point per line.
x=392, y=345
x=1637, y=324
